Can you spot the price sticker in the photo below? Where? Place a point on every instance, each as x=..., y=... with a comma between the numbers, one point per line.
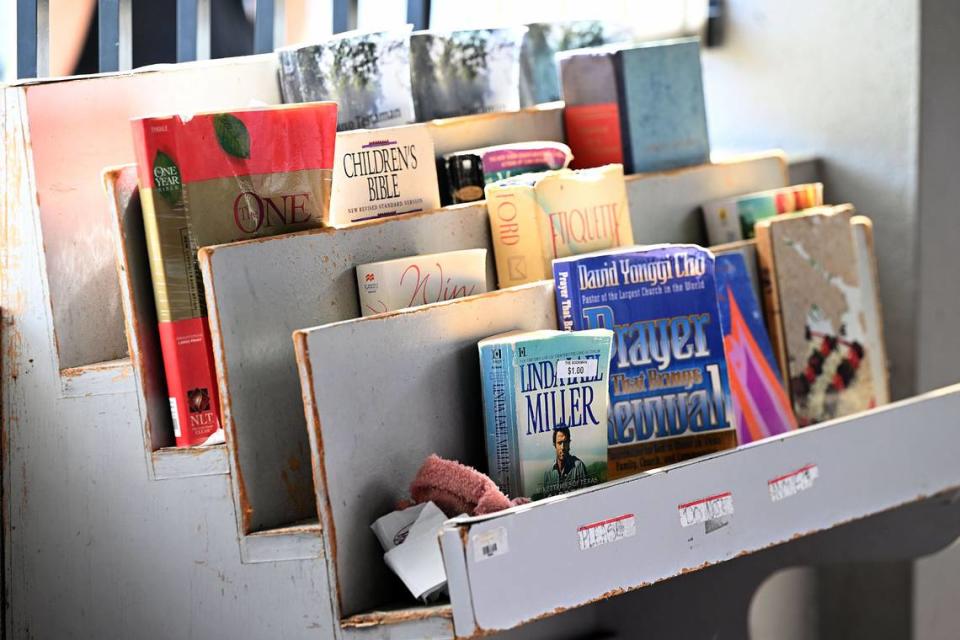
x=489, y=544
x=706, y=509
x=586, y=368
x=793, y=483
x=596, y=534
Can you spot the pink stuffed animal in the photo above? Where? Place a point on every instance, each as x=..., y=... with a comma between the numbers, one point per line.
x=457, y=488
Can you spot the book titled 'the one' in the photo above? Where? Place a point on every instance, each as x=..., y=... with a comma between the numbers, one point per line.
x=209, y=179
x=669, y=391
x=545, y=409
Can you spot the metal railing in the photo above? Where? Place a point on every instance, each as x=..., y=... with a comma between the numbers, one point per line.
x=115, y=20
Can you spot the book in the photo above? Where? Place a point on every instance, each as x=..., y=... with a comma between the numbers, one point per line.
x=537, y=217
x=669, y=390
x=545, y=410
x=383, y=172
x=460, y=73
x=417, y=280
x=732, y=219
x=639, y=105
x=761, y=407
x=539, y=75
x=366, y=73
x=213, y=178
x=817, y=289
x=469, y=171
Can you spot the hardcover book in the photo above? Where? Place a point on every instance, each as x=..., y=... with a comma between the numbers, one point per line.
x=214, y=178
x=761, y=407
x=545, y=410
x=366, y=73
x=669, y=391
x=817, y=288
x=469, y=171
x=411, y=282
x=383, y=172
x=460, y=73
x=537, y=217
x=732, y=219
x=539, y=75
x=641, y=106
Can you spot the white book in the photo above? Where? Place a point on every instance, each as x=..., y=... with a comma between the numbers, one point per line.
x=418, y=280
x=383, y=172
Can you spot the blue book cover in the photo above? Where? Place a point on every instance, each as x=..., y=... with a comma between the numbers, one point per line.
x=669, y=391
x=761, y=407
x=663, y=114
x=545, y=410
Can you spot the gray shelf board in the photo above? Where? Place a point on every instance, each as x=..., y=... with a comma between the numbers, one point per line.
x=170, y=463
x=862, y=472
x=434, y=622
x=299, y=541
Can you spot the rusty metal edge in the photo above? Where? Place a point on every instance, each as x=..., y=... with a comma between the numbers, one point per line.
x=244, y=510
x=324, y=513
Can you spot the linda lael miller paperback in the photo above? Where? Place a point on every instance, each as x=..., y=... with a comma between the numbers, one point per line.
x=545, y=410
x=669, y=390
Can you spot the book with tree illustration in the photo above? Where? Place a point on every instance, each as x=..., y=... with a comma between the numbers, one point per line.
x=465, y=72
x=366, y=73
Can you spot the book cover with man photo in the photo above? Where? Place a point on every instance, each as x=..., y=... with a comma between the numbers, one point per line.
x=545, y=396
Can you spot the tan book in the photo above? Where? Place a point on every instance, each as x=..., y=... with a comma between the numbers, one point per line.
x=538, y=217
x=822, y=311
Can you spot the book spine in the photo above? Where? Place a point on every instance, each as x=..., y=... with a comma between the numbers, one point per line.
x=516, y=235
x=623, y=114
x=862, y=228
x=563, y=282
x=766, y=262
x=185, y=342
x=499, y=414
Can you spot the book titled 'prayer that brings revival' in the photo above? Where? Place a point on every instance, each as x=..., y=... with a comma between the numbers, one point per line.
x=669, y=391
x=545, y=410
x=214, y=178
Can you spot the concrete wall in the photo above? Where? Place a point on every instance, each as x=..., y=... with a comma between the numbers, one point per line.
x=839, y=80
x=936, y=615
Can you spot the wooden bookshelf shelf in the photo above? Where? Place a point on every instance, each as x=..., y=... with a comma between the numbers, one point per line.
x=777, y=491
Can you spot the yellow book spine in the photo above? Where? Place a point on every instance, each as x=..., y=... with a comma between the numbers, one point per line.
x=516, y=237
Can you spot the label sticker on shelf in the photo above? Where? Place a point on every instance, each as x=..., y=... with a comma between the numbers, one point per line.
x=706, y=509
x=792, y=483
x=596, y=534
x=489, y=544
x=585, y=368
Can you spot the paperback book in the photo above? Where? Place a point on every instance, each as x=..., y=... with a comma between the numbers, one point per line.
x=215, y=178
x=383, y=172
x=460, y=73
x=669, y=390
x=545, y=410
x=820, y=298
x=468, y=172
x=761, y=407
x=418, y=280
x=366, y=73
x=641, y=105
x=732, y=219
x=539, y=75
x=537, y=217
